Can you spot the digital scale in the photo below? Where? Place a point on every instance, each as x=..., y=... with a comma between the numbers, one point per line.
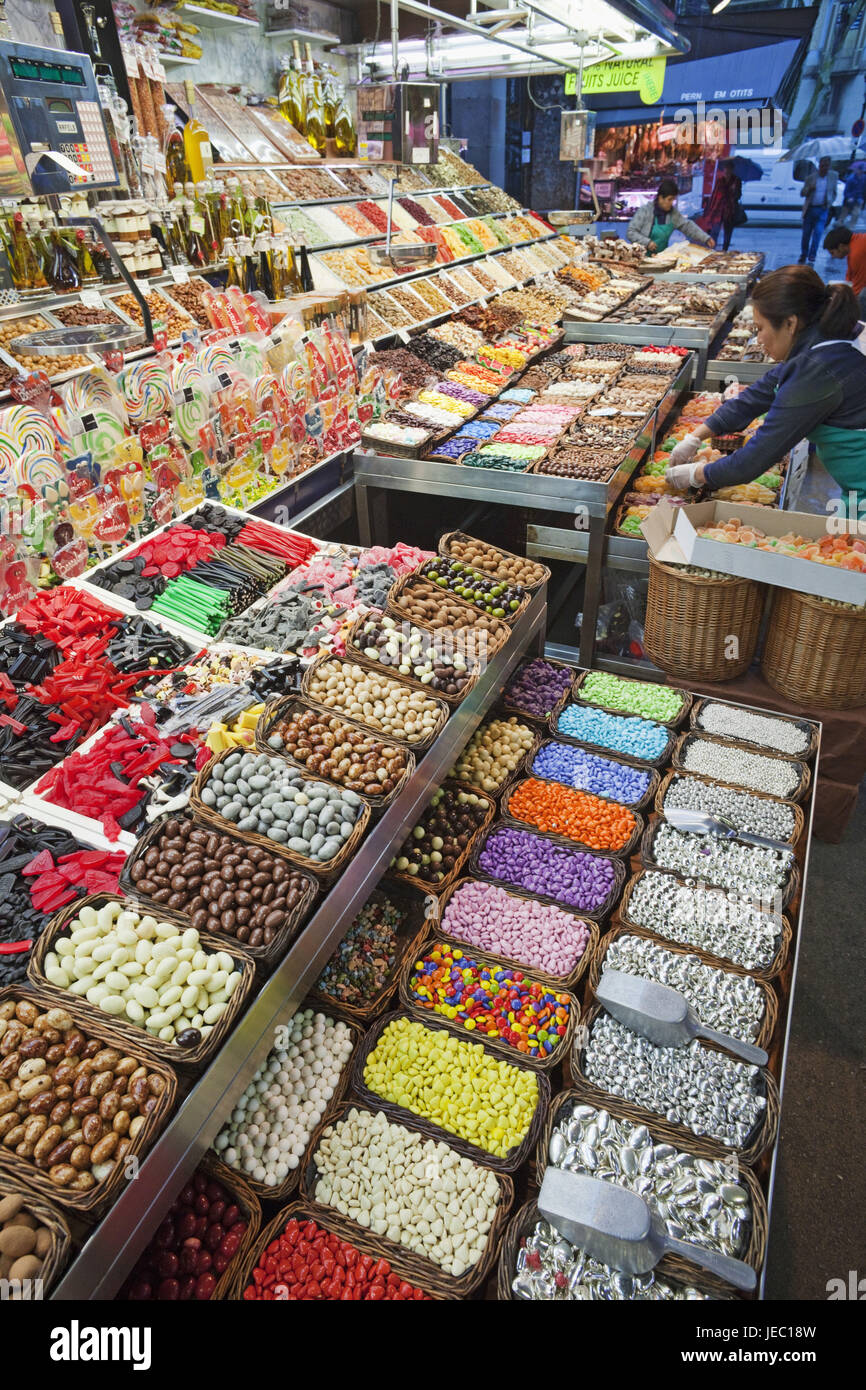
x=53, y=134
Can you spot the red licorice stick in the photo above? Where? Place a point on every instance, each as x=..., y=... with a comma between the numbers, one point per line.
x=68, y=616
x=14, y=948
x=290, y=547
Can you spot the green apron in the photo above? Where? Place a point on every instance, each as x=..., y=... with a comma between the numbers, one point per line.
x=661, y=234
x=843, y=454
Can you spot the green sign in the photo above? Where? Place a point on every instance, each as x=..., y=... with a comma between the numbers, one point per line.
x=646, y=76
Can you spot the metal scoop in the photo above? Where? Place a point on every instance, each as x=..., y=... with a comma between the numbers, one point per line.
x=664, y=1015
x=621, y=1230
x=700, y=823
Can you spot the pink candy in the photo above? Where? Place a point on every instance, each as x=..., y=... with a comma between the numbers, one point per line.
x=535, y=934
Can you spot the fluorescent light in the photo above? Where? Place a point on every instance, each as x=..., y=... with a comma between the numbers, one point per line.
x=722, y=4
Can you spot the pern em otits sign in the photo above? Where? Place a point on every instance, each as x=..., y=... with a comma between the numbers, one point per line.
x=646, y=76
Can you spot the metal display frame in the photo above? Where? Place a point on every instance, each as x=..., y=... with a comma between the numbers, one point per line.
x=108, y=1256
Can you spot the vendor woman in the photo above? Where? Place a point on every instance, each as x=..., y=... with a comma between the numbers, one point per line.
x=817, y=392
x=653, y=223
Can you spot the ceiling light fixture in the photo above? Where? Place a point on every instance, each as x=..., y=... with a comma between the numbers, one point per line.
x=722, y=4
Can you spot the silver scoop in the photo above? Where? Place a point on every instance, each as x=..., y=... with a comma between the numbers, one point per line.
x=664, y=1015
x=700, y=823
x=621, y=1230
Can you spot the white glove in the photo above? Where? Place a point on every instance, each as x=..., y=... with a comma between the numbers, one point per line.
x=685, y=451
x=682, y=475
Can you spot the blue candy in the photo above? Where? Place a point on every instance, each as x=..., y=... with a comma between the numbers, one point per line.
x=589, y=772
x=638, y=738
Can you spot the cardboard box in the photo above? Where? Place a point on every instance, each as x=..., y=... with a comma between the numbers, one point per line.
x=672, y=535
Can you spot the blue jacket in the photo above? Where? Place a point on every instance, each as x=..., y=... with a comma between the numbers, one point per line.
x=821, y=383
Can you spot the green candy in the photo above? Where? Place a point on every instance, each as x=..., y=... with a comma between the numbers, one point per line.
x=651, y=701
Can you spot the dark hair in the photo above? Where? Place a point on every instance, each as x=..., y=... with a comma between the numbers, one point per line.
x=837, y=236
x=666, y=188
x=798, y=290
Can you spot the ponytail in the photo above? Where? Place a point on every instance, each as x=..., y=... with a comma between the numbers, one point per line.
x=841, y=313
x=797, y=291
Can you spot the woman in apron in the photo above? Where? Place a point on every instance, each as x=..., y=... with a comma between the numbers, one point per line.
x=653, y=223
x=817, y=392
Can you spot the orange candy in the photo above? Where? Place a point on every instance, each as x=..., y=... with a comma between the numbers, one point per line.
x=560, y=810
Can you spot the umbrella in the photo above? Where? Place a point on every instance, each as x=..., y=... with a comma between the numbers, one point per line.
x=746, y=170
x=836, y=146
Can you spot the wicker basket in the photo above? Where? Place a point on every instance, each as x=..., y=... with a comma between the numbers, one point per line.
x=761, y=1138
x=419, y=1270
x=806, y=726
x=768, y=972
x=513, y=1159
x=48, y=1216
x=496, y=633
x=328, y=1220
x=542, y=719
x=646, y=800
x=541, y=571
x=755, y=1252
x=563, y=737
x=443, y=710
x=690, y=620
x=516, y=771
x=569, y=982
x=647, y=858
x=282, y=1191
x=413, y=881
x=623, y=851
x=285, y=705
x=505, y=1050
x=600, y=913
x=325, y=873
x=771, y=1002
x=685, y=740
x=796, y=811
x=262, y=955
x=815, y=655
x=409, y=937
x=448, y=637
x=670, y=1268
x=135, y=1037
x=92, y=1203
x=246, y=1199
x=685, y=703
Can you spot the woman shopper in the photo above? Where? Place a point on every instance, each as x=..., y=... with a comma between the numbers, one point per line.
x=653, y=223
x=721, y=213
x=817, y=392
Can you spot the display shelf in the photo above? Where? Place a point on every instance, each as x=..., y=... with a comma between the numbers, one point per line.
x=435, y=267
x=176, y=60
x=206, y=18
x=353, y=197
x=107, y=1257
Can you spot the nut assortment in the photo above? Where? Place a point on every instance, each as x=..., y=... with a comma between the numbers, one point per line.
x=424, y=602
x=328, y=747
x=176, y=320
x=34, y=361
x=25, y=1242
x=69, y=1104
x=377, y=702
x=509, y=569
x=224, y=886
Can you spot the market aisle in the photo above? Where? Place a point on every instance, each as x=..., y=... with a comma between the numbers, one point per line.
x=816, y=1232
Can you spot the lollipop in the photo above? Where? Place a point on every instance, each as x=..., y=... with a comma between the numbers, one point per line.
x=191, y=413
x=103, y=432
x=187, y=372
x=23, y=431
x=146, y=391
x=249, y=358
x=91, y=390
x=43, y=473
x=216, y=358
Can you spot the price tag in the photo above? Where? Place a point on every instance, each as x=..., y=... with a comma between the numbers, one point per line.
x=130, y=62
x=147, y=161
x=179, y=274
x=92, y=299
x=160, y=70
x=196, y=224
x=368, y=345
x=142, y=286
x=159, y=161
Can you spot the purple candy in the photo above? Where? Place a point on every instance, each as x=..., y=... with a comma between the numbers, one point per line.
x=526, y=860
x=537, y=687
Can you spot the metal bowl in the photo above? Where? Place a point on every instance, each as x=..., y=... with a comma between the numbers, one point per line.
x=574, y=218
x=60, y=342
x=401, y=257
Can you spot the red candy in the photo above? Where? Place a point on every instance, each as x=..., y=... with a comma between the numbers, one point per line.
x=180, y=548
x=307, y=1263
x=68, y=616
x=176, y=1266
x=54, y=885
x=272, y=541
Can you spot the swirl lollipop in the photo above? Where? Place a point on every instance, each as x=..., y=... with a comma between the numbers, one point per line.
x=191, y=413
x=102, y=434
x=23, y=432
x=216, y=357
x=249, y=358
x=43, y=473
x=93, y=390
x=146, y=391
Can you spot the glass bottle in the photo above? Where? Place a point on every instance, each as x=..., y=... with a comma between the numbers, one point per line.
x=175, y=162
x=86, y=266
x=196, y=142
x=249, y=280
x=28, y=275
x=196, y=247
x=295, y=109
x=305, y=274
x=234, y=274
x=345, y=134
x=262, y=248
x=65, y=278
x=315, y=123
x=330, y=98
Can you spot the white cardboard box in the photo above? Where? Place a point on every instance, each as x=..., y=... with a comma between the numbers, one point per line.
x=672, y=536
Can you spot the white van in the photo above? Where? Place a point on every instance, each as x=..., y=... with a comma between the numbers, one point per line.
x=776, y=200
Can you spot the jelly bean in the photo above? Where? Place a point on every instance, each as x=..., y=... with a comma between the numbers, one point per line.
x=560, y=762
x=576, y=815
x=632, y=697
x=638, y=738
x=520, y=929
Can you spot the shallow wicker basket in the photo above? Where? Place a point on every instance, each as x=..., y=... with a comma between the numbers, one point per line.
x=598, y=915
x=686, y=739
x=246, y=1199
x=563, y=737
x=276, y=710
x=418, y=1268
x=52, y=1219
x=647, y=857
x=409, y=937
x=690, y=620
x=542, y=573
x=762, y=1137
x=262, y=955
x=328, y=1220
x=448, y=637
x=92, y=1203
x=641, y=805
x=542, y=719
x=670, y=1267
x=756, y=1249
x=496, y=632
x=443, y=710
x=674, y=772
x=806, y=726
x=134, y=1036
x=768, y=972
x=770, y=1019
x=325, y=873
x=413, y=881
x=578, y=698
x=623, y=851
x=437, y=927
x=814, y=654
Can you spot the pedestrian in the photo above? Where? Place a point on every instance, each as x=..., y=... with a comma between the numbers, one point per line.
x=723, y=207
x=819, y=195
x=653, y=223
x=842, y=243
x=853, y=197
